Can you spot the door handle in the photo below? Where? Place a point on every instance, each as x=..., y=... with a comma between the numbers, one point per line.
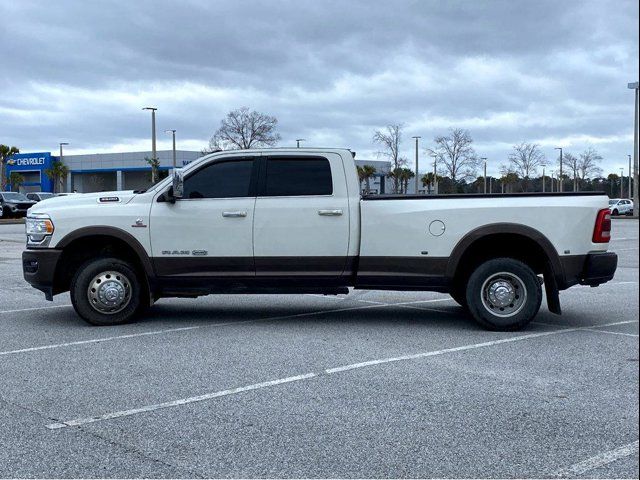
x=330, y=213
x=234, y=214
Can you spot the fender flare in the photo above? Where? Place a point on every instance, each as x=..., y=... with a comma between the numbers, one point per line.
x=108, y=231
x=505, y=228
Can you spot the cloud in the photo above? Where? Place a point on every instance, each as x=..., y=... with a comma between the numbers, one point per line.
x=331, y=71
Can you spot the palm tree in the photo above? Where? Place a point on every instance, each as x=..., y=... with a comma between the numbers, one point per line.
x=57, y=173
x=396, y=176
x=366, y=173
x=15, y=180
x=155, y=165
x=406, y=174
x=360, y=172
x=5, y=152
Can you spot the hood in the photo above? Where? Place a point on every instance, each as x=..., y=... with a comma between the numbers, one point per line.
x=82, y=199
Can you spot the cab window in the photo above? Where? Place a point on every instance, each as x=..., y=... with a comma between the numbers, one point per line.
x=226, y=179
x=298, y=176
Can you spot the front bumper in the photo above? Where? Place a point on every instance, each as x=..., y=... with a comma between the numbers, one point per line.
x=592, y=269
x=39, y=269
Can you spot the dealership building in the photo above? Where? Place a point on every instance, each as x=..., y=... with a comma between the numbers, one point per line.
x=98, y=172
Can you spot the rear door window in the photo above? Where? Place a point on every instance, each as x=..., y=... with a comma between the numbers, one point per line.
x=297, y=176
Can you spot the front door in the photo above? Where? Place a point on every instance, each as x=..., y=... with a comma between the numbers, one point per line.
x=209, y=232
x=301, y=224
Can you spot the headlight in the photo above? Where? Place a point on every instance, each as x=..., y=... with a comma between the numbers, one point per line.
x=38, y=229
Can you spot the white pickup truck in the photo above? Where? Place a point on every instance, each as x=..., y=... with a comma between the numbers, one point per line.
x=293, y=221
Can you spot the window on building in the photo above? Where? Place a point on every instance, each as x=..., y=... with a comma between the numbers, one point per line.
x=220, y=180
x=291, y=176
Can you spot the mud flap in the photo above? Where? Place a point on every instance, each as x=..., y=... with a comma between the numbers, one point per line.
x=553, y=294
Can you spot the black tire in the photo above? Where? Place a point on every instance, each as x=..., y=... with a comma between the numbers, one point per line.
x=614, y=213
x=513, y=282
x=459, y=294
x=124, y=278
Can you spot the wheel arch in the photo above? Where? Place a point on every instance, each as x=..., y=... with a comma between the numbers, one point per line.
x=84, y=243
x=525, y=240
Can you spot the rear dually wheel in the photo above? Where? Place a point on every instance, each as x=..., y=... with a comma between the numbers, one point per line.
x=504, y=294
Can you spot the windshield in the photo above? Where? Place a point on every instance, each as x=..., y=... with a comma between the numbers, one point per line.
x=44, y=196
x=614, y=201
x=14, y=197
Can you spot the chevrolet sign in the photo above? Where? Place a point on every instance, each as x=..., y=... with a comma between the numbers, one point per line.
x=26, y=162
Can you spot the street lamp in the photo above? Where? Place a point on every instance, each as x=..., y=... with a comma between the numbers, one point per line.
x=60, y=159
x=435, y=173
x=485, y=174
x=621, y=182
x=298, y=140
x=543, y=178
x=417, y=138
x=173, y=134
x=560, y=182
x=629, y=171
x=153, y=139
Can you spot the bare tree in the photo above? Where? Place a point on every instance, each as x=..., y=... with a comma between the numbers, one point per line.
x=455, y=153
x=390, y=140
x=242, y=129
x=570, y=163
x=524, y=160
x=588, y=164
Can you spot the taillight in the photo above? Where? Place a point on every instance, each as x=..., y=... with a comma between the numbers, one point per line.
x=602, y=230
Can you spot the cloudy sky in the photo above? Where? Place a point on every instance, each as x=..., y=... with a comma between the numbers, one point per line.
x=332, y=72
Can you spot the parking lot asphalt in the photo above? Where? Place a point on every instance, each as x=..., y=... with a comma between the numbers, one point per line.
x=370, y=384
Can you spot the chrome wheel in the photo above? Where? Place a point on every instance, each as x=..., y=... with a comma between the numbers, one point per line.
x=503, y=294
x=109, y=292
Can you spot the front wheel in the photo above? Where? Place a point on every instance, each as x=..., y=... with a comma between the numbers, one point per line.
x=106, y=291
x=614, y=213
x=504, y=294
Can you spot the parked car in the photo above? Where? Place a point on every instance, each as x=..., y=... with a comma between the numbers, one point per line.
x=293, y=221
x=14, y=204
x=39, y=196
x=621, y=206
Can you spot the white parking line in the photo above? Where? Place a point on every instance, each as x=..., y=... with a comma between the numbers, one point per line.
x=172, y=330
x=175, y=403
x=33, y=308
x=208, y=396
x=97, y=340
x=611, y=333
x=598, y=461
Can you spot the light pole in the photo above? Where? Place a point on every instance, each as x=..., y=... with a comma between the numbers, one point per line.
x=543, y=182
x=630, y=190
x=485, y=174
x=417, y=179
x=173, y=134
x=153, y=140
x=560, y=182
x=622, y=183
x=435, y=175
x=58, y=179
x=634, y=86
x=298, y=140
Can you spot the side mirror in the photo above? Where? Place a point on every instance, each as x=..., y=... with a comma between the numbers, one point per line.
x=178, y=183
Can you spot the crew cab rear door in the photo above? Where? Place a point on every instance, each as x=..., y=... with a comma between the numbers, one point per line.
x=208, y=232
x=301, y=220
